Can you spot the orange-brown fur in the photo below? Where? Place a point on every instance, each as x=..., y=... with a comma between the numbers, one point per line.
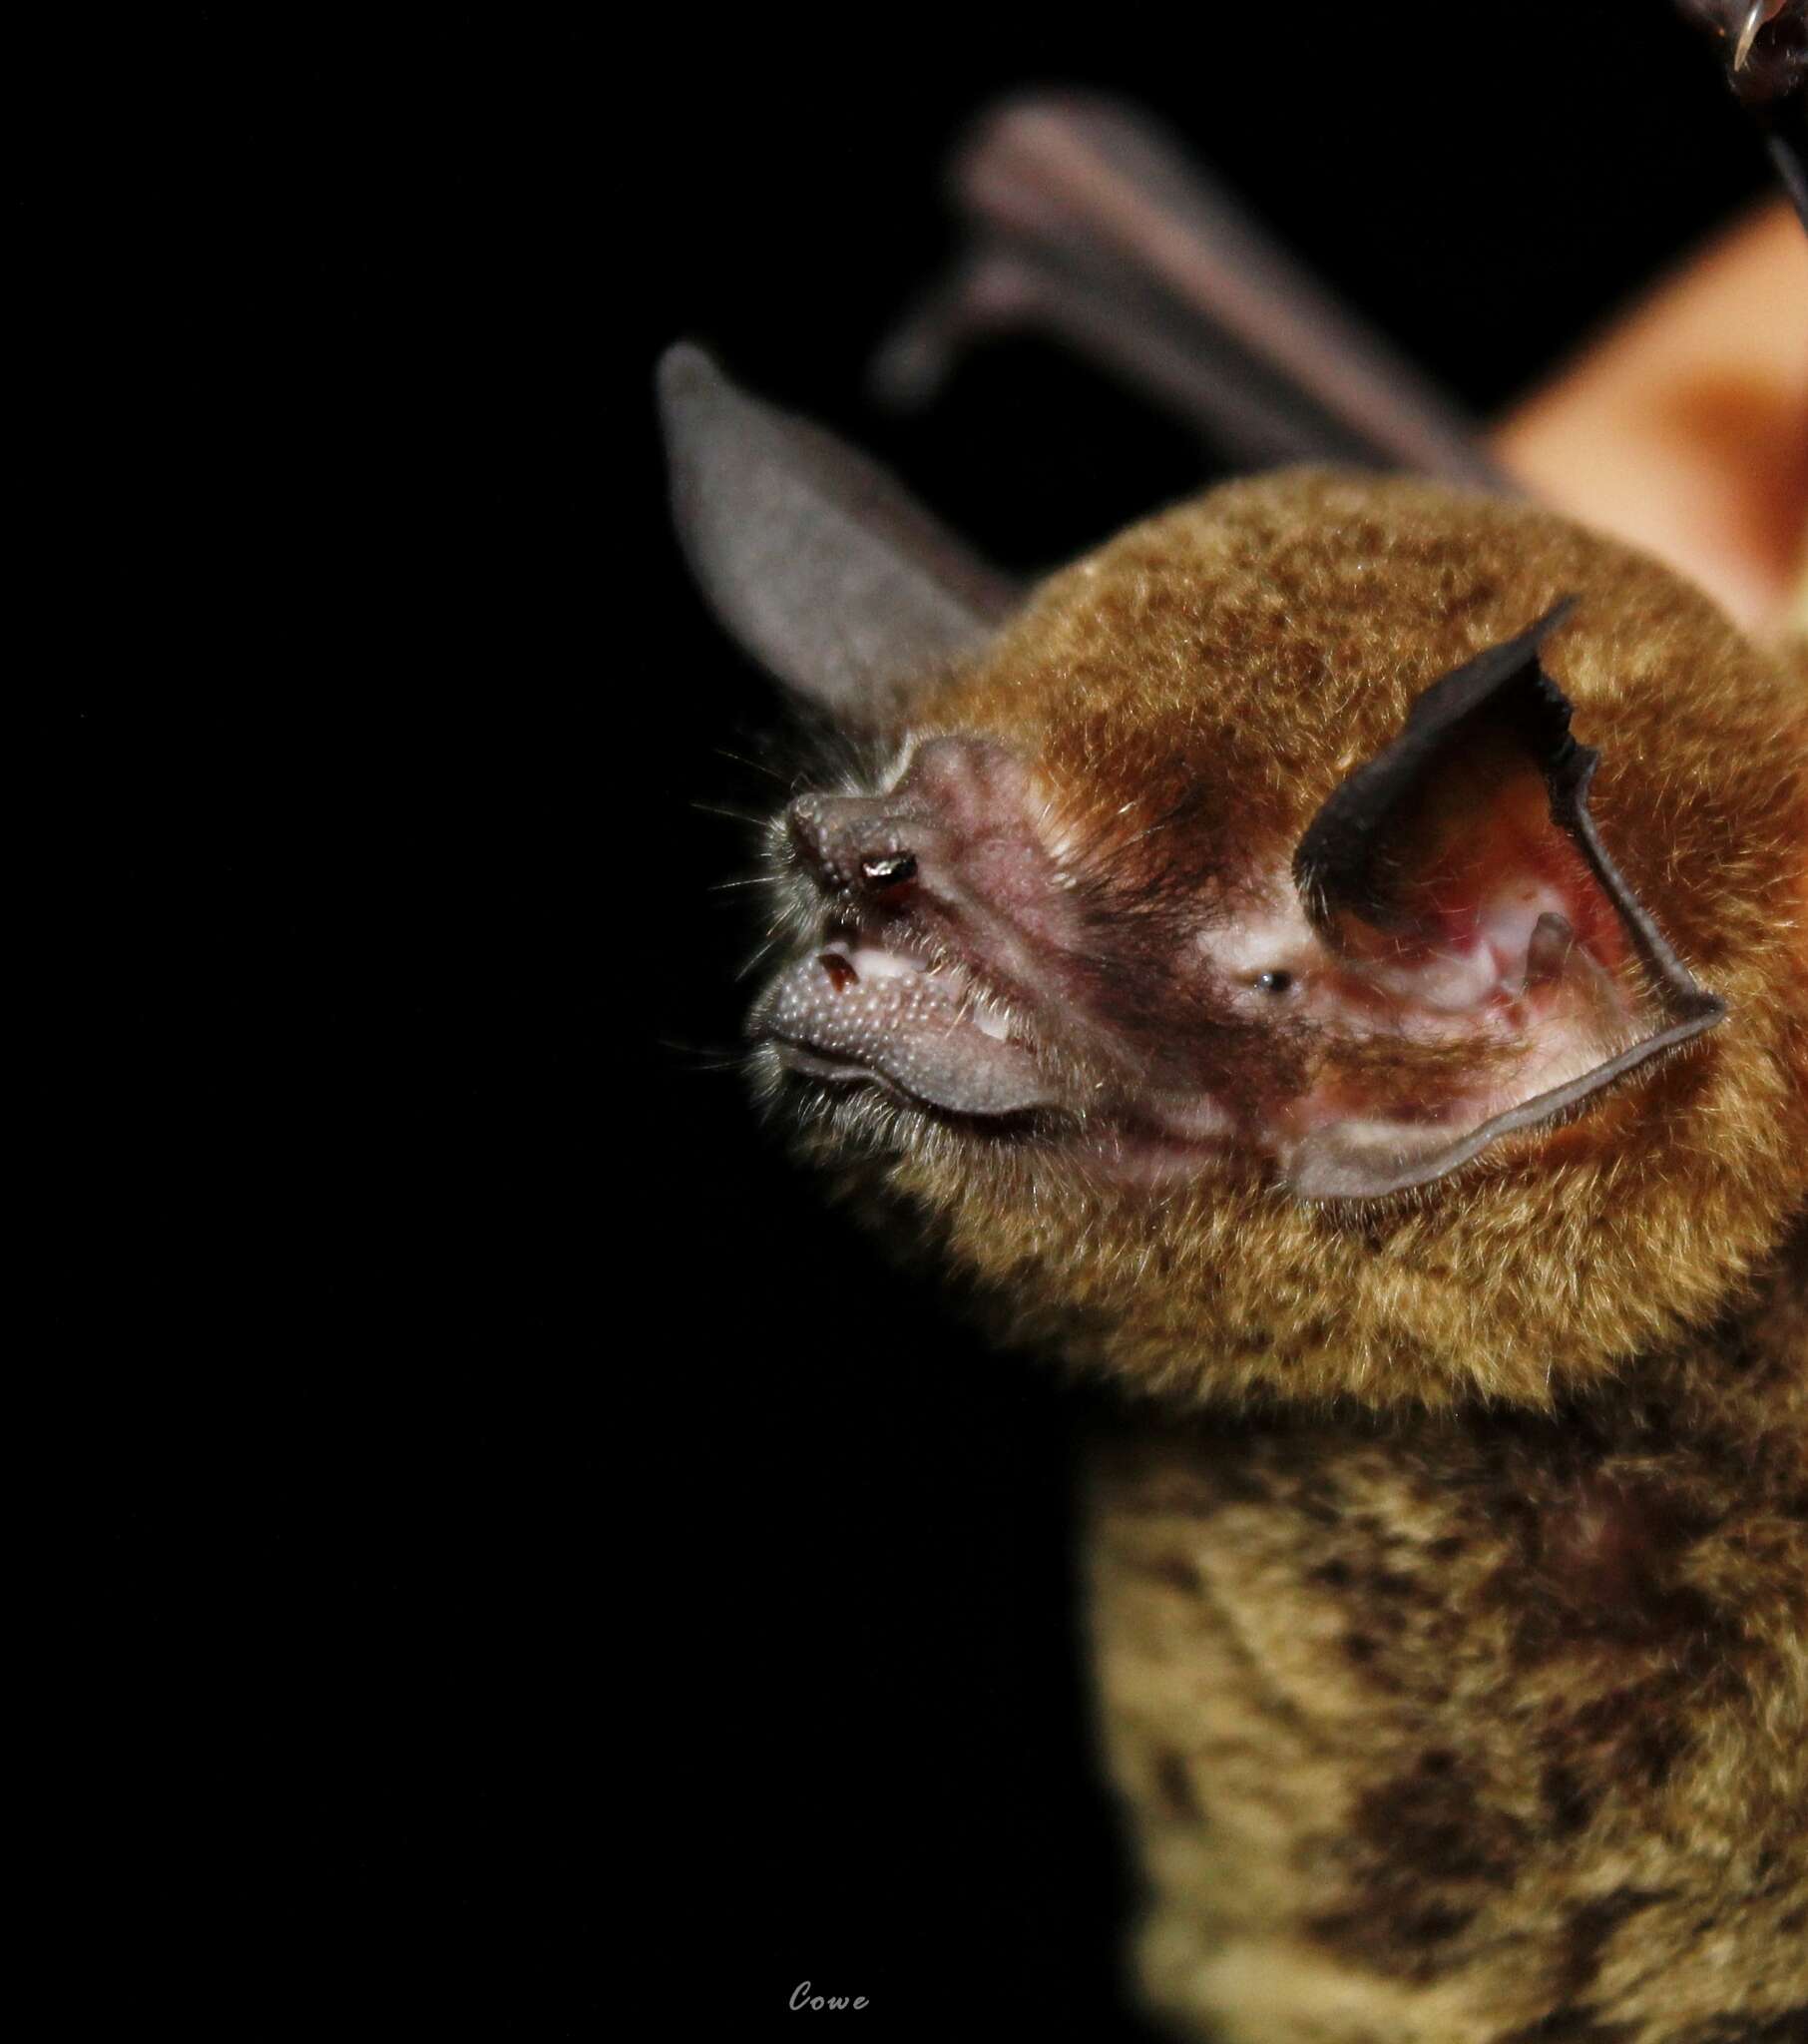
x=1452, y=1562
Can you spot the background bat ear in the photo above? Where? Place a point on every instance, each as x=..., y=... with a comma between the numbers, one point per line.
x=1458, y=880
x=813, y=558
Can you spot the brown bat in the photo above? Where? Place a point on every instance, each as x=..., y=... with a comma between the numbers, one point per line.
x=1333, y=962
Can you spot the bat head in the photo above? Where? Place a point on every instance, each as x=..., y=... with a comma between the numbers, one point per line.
x=1229, y=954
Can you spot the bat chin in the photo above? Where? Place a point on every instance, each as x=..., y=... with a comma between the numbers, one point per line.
x=923, y=1031
x=838, y=1076
x=841, y=1023
x=1097, y=1148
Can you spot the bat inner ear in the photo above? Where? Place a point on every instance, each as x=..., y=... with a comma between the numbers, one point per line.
x=1459, y=885
x=1470, y=887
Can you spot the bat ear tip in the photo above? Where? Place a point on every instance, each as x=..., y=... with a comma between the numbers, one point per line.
x=685, y=372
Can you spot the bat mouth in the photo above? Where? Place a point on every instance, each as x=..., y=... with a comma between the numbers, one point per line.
x=919, y=1027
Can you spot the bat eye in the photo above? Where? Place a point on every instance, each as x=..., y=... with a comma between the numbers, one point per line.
x=892, y=870
x=1273, y=982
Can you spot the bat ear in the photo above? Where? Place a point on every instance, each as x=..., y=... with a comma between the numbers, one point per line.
x=815, y=559
x=1459, y=881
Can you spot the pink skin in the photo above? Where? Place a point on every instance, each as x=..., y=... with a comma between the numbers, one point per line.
x=971, y=962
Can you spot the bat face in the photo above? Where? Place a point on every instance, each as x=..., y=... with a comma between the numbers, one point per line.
x=1227, y=956
x=1116, y=924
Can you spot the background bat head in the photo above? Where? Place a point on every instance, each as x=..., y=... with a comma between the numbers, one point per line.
x=1230, y=954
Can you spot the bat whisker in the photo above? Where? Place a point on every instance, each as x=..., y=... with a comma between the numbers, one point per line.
x=759, y=957
x=709, y=1057
x=734, y=815
x=757, y=766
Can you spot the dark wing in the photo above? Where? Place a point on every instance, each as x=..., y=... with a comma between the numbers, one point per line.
x=1089, y=220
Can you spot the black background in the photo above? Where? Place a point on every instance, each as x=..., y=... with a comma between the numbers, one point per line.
x=534, y=1554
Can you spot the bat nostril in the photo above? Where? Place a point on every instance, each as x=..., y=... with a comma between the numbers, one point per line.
x=885, y=871
x=849, y=843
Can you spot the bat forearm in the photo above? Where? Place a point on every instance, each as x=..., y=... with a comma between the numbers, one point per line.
x=1088, y=222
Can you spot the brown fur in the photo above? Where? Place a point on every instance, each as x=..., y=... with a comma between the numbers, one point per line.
x=1473, y=1729
x=1452, y=1579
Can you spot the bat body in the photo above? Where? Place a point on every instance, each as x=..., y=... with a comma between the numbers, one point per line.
x=1333, y=962
x=1472, y=1726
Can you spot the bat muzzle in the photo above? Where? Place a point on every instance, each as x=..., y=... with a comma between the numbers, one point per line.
x=858, y=1014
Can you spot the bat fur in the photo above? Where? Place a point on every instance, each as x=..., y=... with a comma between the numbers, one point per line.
x=1450, y=1565
x=1449, y=1550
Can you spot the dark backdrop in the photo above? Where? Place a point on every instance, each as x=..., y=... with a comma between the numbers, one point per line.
x=539, y=1556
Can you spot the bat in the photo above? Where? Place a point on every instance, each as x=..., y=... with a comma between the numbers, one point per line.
x=1764, y=44
x=1331, y=964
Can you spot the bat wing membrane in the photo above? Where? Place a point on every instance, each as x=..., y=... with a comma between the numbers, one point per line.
x=1090, y=222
